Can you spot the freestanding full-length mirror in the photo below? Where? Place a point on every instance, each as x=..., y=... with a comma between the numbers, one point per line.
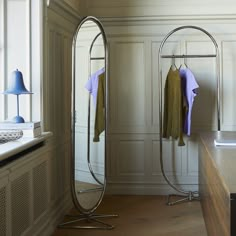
x=89, y=155
x=89, y=112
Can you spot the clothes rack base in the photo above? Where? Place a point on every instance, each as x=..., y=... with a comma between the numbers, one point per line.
x=192, y=196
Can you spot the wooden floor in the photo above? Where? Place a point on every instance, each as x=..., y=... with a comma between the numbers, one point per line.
x=146, y=216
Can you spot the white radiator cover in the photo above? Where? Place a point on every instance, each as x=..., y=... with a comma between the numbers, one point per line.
x=25, y=189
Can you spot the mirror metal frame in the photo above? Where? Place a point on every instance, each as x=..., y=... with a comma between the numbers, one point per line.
x=73, y=193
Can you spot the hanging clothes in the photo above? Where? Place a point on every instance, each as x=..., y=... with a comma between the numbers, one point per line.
x=189, y=86
x=96, y=86
x=92, y=84
x=173, y=107
x=99, y=125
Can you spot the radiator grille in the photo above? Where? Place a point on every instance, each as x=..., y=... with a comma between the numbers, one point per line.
x=53, y=175
x=20, y=202
x=40, y=189
x=3, y=211
x=61, y=176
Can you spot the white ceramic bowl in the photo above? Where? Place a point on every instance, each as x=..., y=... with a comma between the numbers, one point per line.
x=10, y=135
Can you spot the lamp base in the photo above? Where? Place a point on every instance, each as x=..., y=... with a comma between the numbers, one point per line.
x=18, y=119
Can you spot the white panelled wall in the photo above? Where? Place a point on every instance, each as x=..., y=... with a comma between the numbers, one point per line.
x=135, y=30
x=134, y=116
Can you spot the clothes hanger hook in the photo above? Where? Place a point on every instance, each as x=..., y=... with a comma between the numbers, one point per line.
x=173, y=61
x=185, y=61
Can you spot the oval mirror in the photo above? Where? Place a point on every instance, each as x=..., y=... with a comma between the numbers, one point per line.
x=89, y=115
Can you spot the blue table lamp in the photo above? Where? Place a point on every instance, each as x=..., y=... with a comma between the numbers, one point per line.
x=17, y=87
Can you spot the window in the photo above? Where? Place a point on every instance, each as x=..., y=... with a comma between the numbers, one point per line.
x=21, y=48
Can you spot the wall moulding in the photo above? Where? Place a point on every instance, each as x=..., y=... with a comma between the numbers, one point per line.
x=170, y=19
x=67, y=9
x=161, y=8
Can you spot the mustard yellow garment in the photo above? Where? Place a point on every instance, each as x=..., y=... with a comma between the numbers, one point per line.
x=99, y=125
x=173, y=107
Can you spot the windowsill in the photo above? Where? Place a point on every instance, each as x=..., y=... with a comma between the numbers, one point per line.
x=14, y=147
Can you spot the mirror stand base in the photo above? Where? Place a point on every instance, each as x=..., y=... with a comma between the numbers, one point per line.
x=192, y=196
x=92, y=222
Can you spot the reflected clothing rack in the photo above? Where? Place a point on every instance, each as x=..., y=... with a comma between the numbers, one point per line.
x=185, y=195
x=89, y=111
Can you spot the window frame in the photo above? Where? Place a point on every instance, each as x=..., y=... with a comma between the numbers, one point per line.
x=30, y=105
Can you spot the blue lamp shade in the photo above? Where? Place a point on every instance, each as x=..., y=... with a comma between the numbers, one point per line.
x=17, y=87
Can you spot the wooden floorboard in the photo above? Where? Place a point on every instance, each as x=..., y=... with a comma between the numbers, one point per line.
x=145, y=216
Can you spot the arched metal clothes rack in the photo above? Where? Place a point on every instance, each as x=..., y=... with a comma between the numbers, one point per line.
x=91, y=58
x=186, y=195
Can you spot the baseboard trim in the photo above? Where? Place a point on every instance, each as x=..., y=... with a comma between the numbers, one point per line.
x=146, y=189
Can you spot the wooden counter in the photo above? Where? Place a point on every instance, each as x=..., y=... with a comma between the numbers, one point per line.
x=217, y=183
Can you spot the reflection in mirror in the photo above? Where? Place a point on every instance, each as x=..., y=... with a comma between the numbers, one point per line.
x=89, y=111
x=89, y=146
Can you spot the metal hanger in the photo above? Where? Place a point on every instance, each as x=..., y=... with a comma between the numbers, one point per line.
x=184, y=64
x=173, y=66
